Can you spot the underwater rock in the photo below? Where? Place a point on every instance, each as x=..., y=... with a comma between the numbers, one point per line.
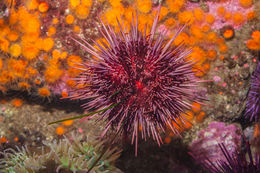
x=206, y=146
x=244, y=161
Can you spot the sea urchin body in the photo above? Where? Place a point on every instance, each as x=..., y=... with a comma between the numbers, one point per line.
x=145, y=81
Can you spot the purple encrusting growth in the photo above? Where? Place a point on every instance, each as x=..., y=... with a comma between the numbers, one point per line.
x=236, y=162
x=150, y=81
x=253, y=100
x=206, y=145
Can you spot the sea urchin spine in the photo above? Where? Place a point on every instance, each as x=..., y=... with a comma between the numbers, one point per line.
x=237, y=162
x=150, y=81
x=253, y=99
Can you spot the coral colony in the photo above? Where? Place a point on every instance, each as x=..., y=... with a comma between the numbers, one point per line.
x=147, y=83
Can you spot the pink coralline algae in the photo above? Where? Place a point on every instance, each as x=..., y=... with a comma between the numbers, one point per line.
x=231, y=6
x=206, y=146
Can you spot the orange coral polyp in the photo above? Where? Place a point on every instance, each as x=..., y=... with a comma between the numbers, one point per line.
x=223, y=48
x=199, y=71
x=228, y=16
x=37, y=82
x=55, y=21
x=13, y=36
x=69, y=19
x=256, y=36
x=87, y=3
x=1, y=63
x=67, y=123
x=163, y=13
x=15, y=50
x=63, y=55
x=76, y=29
x=56, y=54
x=115, y=3
x=205, y=28
x=212, y=54
x=221, y=11
x=4, y=44
x=196, y=107
x=31, y=4
x=71, y=83
x=72, y=59
x=128, y=13
x=3, y=140
x=2, y=21
x=228, y=33
x=198, y=55
x=5, y=30
x=24, y=85
x=144, y=6
x=200, y=117
x=210, y=19
x=17, y=66
x=48, y=43
x=199, y=14
x=187, y=117
x=30, y=37
x=44, y=92
x=182, y=37
x=13, y=19
x=185, y=17
x=29, y=51
x=60, y=130
x=256, y=131
x=74, y=3
x=31, y=71
x=112, y=14
x=17, y=102
x=43, y=7
x=238, y=18
x=206, y=68
x=145, y=19
x=52, y=74
x=170, y=22
x=51, y=31
x=64, y=94
x=196, y=31
x=212, y=37
x=253, y=45
x=82, y=11
x=175, y=5
x=28, y=22
x=246, y=3
x=251, y=15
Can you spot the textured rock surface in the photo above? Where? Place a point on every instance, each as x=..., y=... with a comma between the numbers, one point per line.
x=206, y=145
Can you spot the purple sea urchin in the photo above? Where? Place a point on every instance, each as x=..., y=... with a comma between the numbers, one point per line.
x=145, y=82
x=253, y=100
x=236, y=162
